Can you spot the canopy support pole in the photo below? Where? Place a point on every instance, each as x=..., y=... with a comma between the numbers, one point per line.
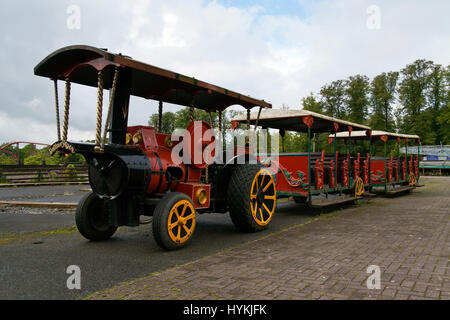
x=370, y=163
x=220, y=128
x=418, y=161
x=309, y=165
x=257, y=119
x=111, y=102
x=160, y=116
x=351, y=179
x=66, y=110
x=98, y=137
x=191, y=111
x=406, y=158
x=335, y=161
x=385, y=163
x=398, y=159
x=247, y=138
x=58, y=127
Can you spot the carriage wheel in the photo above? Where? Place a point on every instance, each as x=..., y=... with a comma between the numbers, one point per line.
x=412, y=180
x=92, y=218
x=298, y=199
x=251, y=198
x=173, y=221
x=359, y=187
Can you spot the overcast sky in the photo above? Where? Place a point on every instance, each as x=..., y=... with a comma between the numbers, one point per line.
x=278, y=51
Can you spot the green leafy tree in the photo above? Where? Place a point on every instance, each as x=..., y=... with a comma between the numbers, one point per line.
x=167, y=124
x=436, y=97
x=382, y=95
x=412, y=95
x=443, y=122
x=357, y=98
x=333, y=99
x=311, y=103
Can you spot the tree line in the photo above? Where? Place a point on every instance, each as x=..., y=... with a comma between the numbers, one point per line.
x=414, y=100
x=29, y=155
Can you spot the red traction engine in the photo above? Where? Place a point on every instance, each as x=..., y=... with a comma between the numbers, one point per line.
x=168, y=170
x=138, y=171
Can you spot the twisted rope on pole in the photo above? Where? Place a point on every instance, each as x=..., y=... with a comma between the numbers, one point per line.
x=220, y=127
x=98, y=131
x=66, y=110
x=160, y=115
x=191, y=111
x=257, y=119
x=58, y=126
x=247, y=138
x=211, y=119
x=111, y=102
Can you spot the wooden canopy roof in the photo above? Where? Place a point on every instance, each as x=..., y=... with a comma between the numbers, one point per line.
x=81, y=64
x=297, y=120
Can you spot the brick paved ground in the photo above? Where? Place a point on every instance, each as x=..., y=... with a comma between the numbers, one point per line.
x=407, y=237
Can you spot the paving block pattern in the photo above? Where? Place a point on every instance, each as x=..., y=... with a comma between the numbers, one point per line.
x=407, y=237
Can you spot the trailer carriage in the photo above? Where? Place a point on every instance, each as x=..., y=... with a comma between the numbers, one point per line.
x=390, y=173
x=306, y=175
x=133, y=171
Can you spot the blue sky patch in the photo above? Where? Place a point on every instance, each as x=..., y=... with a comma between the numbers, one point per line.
x=299, y=8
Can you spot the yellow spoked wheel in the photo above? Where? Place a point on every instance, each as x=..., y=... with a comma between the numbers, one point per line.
x=181, y=222
x=174, y=221
x=412, y=180
x=359, y=187
x=263, y=197
x=251, y=197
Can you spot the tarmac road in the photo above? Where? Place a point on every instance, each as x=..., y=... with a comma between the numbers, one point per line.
x=37, y=246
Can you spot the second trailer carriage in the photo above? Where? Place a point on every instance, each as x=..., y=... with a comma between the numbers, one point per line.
x=306, y=175
x=392, y=172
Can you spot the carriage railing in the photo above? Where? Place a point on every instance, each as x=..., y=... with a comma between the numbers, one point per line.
x=331, y=171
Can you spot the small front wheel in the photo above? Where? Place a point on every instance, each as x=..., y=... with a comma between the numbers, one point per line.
x=92, y=218
x=173, y=221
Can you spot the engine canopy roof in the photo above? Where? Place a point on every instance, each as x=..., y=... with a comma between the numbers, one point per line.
x=81, y=64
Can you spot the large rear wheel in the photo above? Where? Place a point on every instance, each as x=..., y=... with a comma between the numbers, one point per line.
x=92, y=218
x=173, y=221
x=251, y=197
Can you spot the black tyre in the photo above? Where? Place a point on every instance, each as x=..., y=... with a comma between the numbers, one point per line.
x=92, y=218
x=251, y=197
x=174, y=221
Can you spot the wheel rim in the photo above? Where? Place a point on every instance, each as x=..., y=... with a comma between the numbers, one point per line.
x=181, y=221
x=412, y=180
x=263, y=196
x=359, y=187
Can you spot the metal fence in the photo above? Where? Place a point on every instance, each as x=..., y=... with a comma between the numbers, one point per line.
x=43, y=175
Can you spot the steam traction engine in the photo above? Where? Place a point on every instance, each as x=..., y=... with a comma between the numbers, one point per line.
x=141, y=171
